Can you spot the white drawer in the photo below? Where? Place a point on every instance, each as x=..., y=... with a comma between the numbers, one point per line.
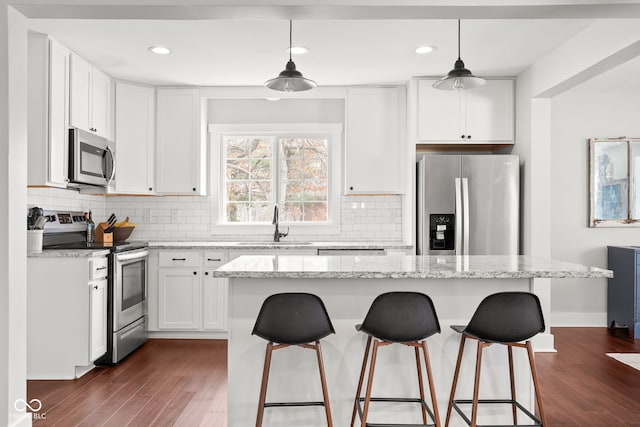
x=179, y=259
x=214, y=259
x=99, y=268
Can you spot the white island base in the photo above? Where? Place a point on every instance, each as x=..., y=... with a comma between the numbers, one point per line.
x=348, y=295
x=294, y=372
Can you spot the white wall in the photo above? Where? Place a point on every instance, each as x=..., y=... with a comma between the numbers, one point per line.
x=576, y=117
x=13, y=180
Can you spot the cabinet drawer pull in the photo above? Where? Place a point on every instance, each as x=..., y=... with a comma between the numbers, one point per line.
x=178, y=259
x=214, y=259
x=101, y=268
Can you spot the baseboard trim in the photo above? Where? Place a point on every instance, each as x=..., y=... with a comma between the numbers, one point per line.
x=573, y=319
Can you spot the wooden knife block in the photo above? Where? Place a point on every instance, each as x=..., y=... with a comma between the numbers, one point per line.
x=101, y=236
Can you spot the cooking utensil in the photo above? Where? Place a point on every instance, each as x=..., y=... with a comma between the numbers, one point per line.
x=33, y=215
x=40, y=222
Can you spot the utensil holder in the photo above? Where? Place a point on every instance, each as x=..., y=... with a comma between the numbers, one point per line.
x=34, y=241
x=101, y=236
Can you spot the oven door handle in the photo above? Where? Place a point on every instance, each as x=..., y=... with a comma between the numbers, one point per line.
x=132, y=256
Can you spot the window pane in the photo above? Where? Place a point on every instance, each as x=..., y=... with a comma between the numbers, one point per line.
x=315, y=147
x=292, y=169
x=238, y=191
x=261, y=169
x=315, y=191
x=237, y=212
x=291, y=148
x=237, y=169
x=315, y=211
x=292, y=212
x=293, y=190
x=315, y=169
x=261, y=190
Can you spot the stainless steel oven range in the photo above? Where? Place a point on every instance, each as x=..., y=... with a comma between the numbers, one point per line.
x=127, y=293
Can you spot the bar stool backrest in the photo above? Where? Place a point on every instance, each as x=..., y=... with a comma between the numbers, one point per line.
x=507, y=317
x=401, y=317
x=293, y=318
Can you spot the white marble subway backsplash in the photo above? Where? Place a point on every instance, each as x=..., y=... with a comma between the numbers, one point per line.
x=363, y=218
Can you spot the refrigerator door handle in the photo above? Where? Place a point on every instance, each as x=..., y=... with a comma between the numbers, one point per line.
x=465, y=216
x=459, y=215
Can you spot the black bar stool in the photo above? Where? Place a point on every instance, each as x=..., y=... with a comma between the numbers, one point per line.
x=292, y=319
x=406, y=318
x=506, y=318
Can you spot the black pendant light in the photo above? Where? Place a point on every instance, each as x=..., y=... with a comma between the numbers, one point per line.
x=290, y=80
x=459, y=78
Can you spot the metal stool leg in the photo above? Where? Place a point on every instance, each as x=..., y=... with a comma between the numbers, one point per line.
x=325, y=393
x=361, y=380
x=476, y=385
x=367, y=398
x=512, y=380
x=421, y=384
x=263, y=387
x=432, y=389
x=536, y=385
x=455, y=380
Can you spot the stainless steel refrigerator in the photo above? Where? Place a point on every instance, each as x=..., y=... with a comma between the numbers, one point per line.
x=468, y=205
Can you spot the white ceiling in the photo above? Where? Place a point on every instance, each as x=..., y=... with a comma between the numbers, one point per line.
x=343, y=52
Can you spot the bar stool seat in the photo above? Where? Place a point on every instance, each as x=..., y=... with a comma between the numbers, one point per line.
x=288, y=319
x=505, y=318
x=406, y=318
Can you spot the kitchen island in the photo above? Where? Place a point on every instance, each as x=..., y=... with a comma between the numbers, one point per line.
x=348, y=285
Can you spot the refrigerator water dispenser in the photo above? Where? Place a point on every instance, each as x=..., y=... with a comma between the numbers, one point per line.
x=441, y=231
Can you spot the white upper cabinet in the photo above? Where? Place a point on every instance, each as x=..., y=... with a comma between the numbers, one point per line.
x=375, y=140
x=48, y=109
x=481, y=115
x=90, y=103
x=134, y=138
x=179, y=143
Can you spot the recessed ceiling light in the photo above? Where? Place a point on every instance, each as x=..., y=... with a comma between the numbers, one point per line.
x=160, y=50
x=298, y=50
x=425, y=49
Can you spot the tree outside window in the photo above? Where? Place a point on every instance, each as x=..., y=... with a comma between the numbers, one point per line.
x=290, y=169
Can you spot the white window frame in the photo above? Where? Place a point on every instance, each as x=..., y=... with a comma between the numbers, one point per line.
x=217, y=171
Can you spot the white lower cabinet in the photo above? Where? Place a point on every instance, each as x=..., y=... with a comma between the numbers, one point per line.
x=179, y=295
x=183, y=297
x=98, y=318
x=66, y=315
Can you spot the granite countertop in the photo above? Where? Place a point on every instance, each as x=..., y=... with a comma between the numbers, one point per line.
x=405, y=267
x=68, y=253
x=285, y=244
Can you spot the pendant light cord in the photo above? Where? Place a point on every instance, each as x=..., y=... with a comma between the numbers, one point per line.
x=291, y=37
x=458, y=39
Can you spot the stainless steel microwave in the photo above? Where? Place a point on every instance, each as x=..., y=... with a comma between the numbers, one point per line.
x=91, y=161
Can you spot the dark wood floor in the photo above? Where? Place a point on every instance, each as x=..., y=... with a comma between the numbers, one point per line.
x=184, y=383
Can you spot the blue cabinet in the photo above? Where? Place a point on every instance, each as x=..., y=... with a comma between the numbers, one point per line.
x=623, y=303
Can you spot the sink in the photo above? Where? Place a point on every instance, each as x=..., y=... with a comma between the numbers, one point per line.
x=274, y=243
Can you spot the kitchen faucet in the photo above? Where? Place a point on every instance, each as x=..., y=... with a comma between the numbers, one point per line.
x=277, y=234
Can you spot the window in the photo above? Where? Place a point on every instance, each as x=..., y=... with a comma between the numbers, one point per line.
x=291, y=165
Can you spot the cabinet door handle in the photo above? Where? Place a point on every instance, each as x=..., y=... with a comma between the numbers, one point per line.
x=101, y=268
x=468, y=136
x=214, y=259
x=95, y=286
x=195, y=272
x=206, y=273
x=462, y=137
x=178, y=259
x=194, y=188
